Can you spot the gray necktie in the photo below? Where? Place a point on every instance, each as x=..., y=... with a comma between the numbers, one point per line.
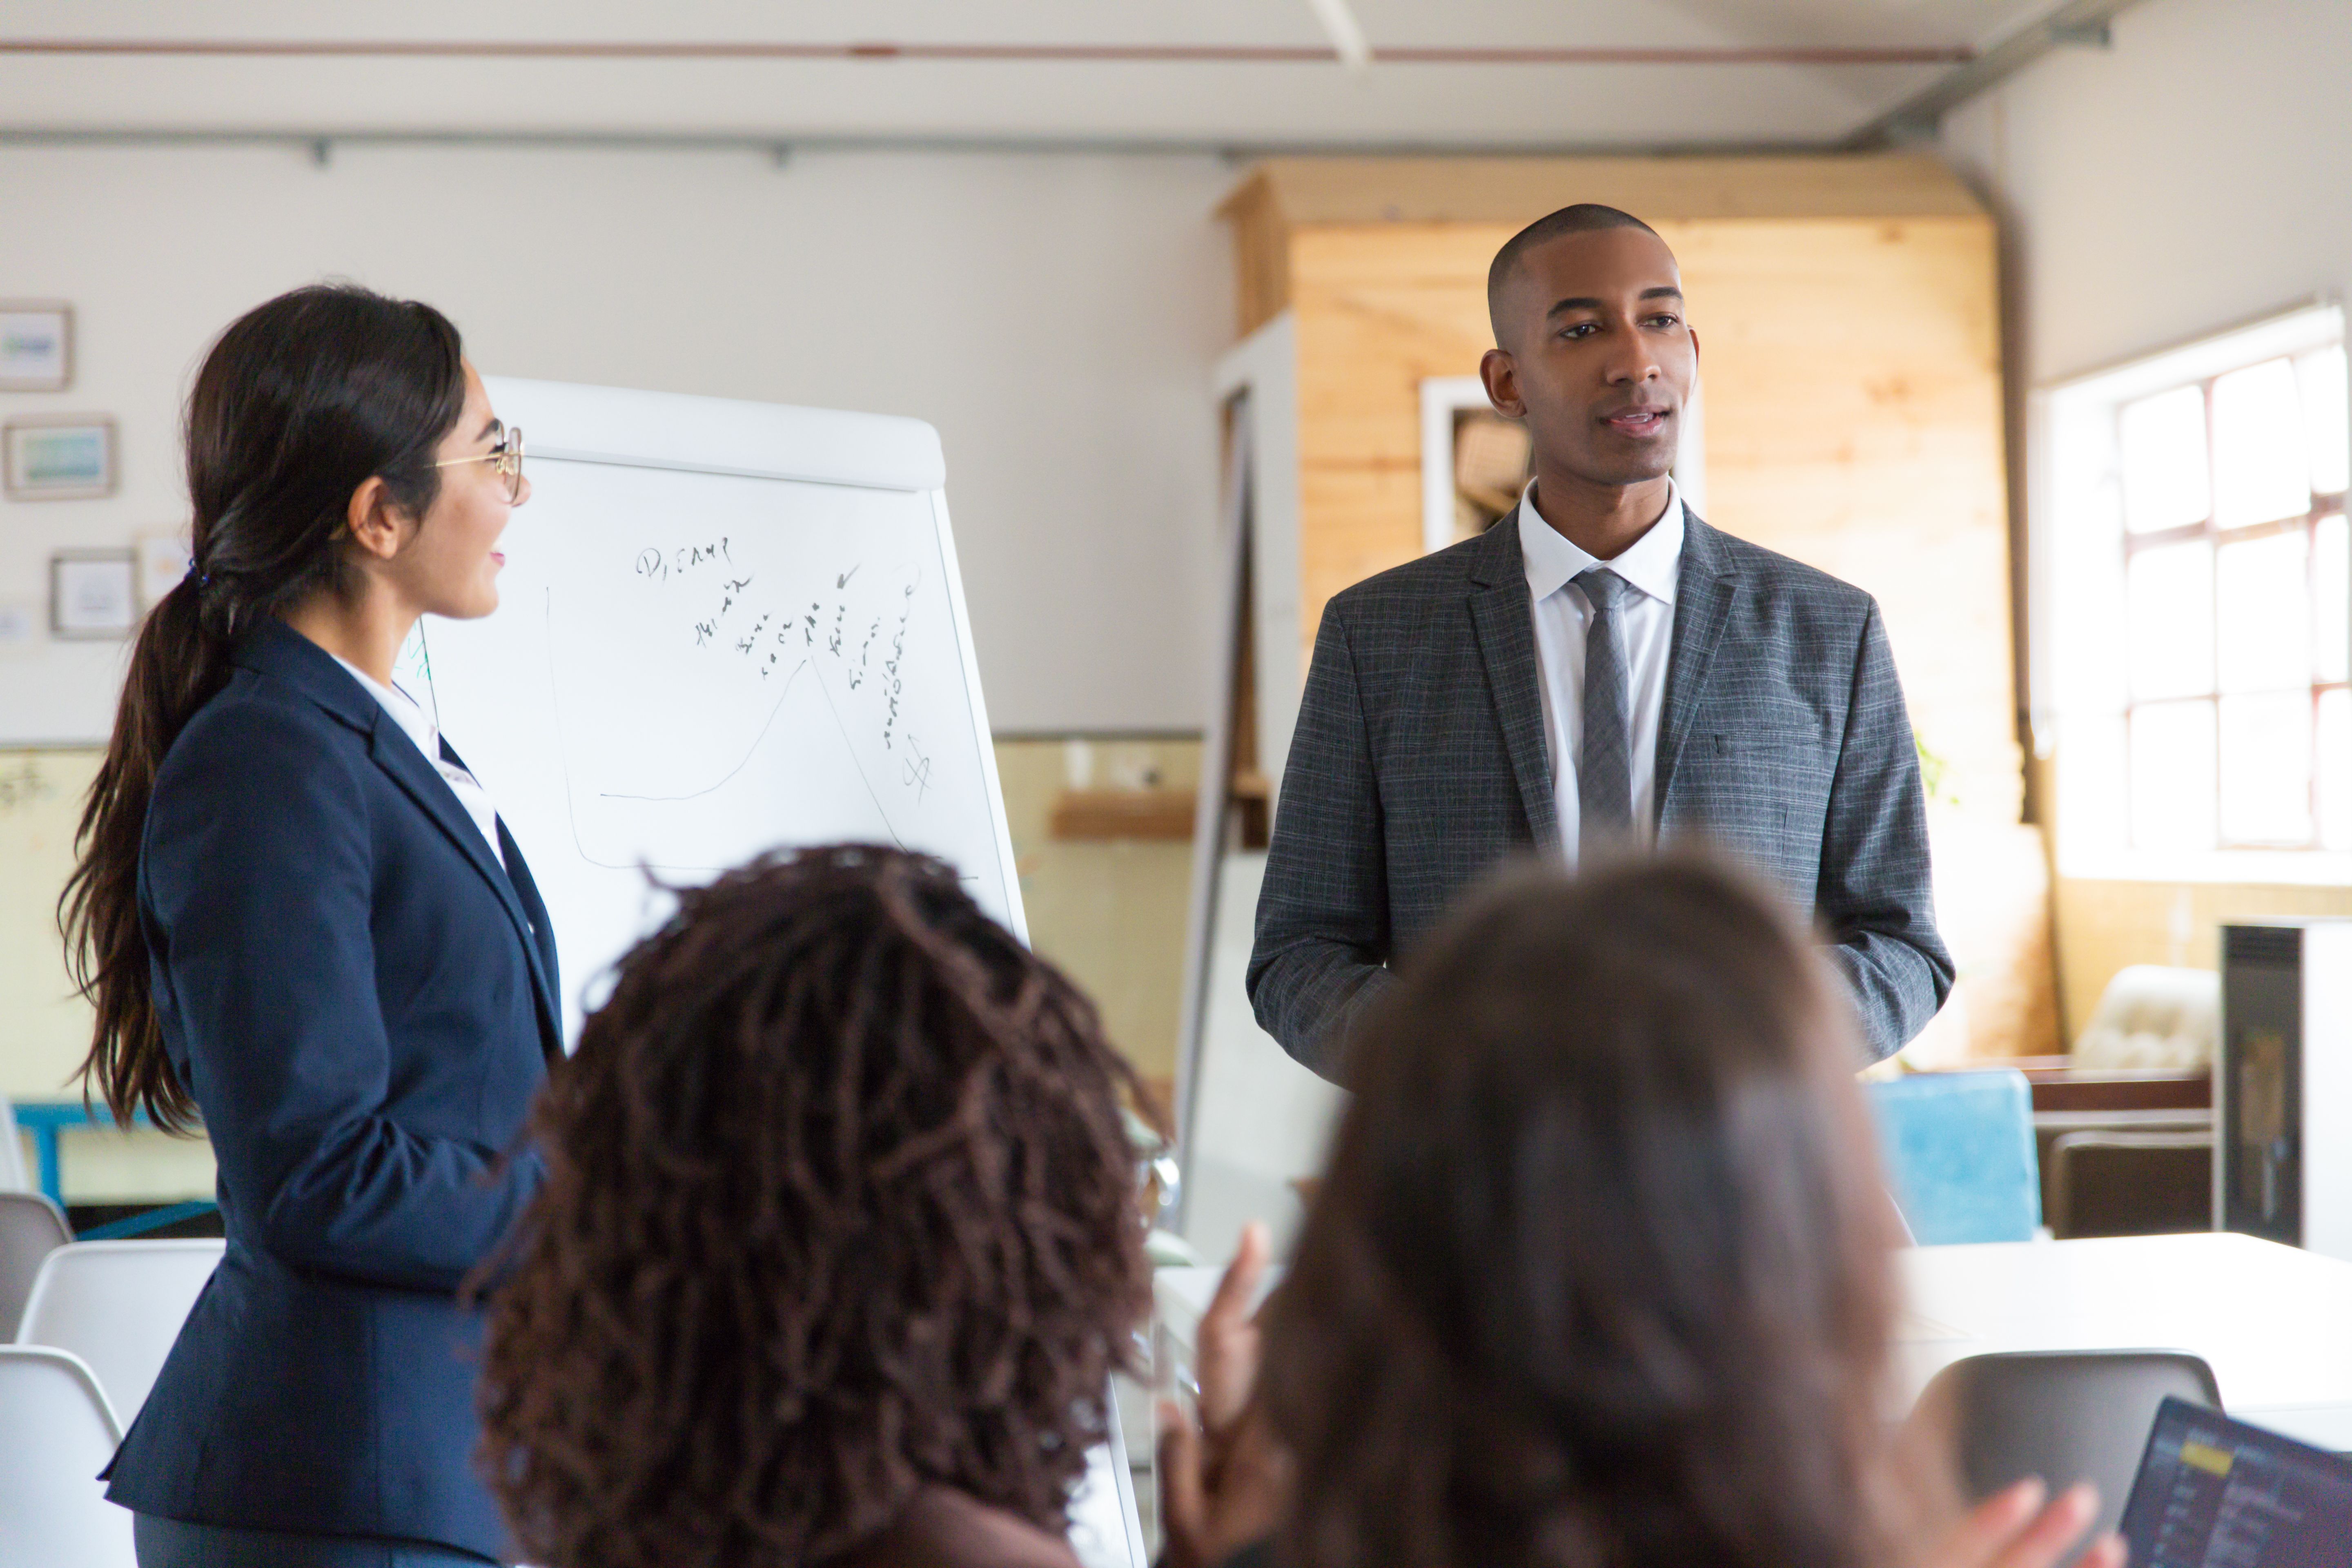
x=1604, y=770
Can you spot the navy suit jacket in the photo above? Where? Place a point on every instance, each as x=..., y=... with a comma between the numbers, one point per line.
x=1420, y=761
x=364, y=1003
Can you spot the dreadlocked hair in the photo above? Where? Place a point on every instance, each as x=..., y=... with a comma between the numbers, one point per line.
x=839, y=1203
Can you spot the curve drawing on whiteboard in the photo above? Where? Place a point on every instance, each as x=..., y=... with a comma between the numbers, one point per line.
x=749, y=752
x=666, y=692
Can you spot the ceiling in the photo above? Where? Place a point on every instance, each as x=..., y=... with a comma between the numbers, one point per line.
x=1227, y=73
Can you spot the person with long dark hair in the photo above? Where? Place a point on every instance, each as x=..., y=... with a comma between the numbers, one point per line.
x=304, y=927
x=839, y=1245
x=1600, y=1274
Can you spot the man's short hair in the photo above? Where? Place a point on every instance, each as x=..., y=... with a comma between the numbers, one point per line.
x=1582, y=218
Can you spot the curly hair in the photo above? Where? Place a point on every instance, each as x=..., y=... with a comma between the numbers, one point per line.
x=1599, y=1273
x=839, y=1204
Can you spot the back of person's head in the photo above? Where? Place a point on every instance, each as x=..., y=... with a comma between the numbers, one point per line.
x=1599, y=1272
x=303, y=400
x=839, y=1204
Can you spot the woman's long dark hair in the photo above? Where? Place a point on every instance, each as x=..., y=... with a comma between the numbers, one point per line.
x=1598, y=1277
x=839, y=1204
x=300, y=402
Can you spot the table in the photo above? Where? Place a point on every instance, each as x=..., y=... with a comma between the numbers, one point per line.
x=2275, y=1322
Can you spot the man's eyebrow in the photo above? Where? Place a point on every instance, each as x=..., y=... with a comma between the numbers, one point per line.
x=1587, y=302
x=493, y=429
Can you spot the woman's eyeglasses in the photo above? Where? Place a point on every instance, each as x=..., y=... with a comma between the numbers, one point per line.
x=506, y=457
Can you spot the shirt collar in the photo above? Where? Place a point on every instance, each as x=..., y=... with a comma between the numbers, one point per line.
x=1652, y=564
x=405, y=710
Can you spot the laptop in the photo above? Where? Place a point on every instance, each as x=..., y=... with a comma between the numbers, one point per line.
x=2215, y=1492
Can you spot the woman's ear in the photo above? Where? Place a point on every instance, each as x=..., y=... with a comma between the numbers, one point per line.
x=378, y=526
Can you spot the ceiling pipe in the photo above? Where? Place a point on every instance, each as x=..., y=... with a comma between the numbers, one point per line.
x=2078, y=24
x=1047, y=54
x=1347, y=34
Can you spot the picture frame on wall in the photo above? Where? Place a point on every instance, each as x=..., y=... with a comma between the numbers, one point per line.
x=57, y=457
x=93, y=593
x=162, y=561
x=36, y=346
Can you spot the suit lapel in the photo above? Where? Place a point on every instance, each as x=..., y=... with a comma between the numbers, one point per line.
x=1506, y=642
x=1704, y=589
x=398, y=755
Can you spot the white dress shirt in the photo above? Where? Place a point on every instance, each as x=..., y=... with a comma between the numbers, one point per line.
x=418, y=726
x=1563, y=615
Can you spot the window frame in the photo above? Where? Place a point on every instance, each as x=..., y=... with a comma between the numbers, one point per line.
x=2062, y=483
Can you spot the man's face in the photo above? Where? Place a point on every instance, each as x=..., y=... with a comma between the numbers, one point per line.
x=1595, y=355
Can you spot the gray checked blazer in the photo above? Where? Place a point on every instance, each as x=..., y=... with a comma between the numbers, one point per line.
x=1420, y=761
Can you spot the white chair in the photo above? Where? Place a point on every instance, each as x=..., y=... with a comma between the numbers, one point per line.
x=118, y=1305
x=31, y=1227
x=56, y=1434
x=2154, y=1016
x=12, y=1176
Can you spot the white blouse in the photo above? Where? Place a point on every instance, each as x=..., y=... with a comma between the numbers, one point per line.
x=419, y=727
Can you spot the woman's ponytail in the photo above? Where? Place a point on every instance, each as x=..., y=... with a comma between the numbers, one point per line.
x=175, y=668
x=299, y=403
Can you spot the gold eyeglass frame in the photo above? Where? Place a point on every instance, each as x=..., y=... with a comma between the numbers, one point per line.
x=508, y=457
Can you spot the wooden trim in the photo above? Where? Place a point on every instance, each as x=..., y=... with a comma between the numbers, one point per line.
x=1261, y=252
x=1097, y=813
x=1520, y=190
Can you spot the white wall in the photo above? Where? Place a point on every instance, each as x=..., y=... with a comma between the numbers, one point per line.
x=2197, y=173
x=1055, y=315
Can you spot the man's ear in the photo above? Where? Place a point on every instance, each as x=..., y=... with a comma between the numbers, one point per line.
x=1693, y=338
x=1501, y=374
x=377, y=526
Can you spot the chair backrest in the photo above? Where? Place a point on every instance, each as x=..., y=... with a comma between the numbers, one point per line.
x=2065, y=1415
x=56, y=1434
x=31, y=1228
x=12, y=1176
x=2154, y=1016
x=118, y=1305
x=1959, y=1153
x=2124, y=1182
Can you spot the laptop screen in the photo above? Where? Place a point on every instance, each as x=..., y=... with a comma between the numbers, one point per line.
x=2213, y=1491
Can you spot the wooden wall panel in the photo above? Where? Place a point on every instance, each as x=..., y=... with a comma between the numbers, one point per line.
x=1854, y=421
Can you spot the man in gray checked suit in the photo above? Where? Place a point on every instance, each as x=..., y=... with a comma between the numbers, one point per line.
x=1598, y=671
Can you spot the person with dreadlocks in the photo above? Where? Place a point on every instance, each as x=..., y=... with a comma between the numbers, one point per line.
x=838, y=1244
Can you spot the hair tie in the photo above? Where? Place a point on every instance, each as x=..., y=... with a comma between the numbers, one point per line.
x=204, y=579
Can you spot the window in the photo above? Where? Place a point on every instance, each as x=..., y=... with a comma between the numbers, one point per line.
x=2190, y=620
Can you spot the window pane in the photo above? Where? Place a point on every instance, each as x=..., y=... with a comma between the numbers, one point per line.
x=2336, y=770
x=2168, y=609
x=2092, y=782
x=2263, y=634
x=2266, y=769
x=2172, y=776
x=2089, y=662
x=2331, y=586
x=2324, y=422
x=2261, y=468
x=2163, y=440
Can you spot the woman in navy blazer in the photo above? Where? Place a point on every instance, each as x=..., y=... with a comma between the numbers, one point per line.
x=301, y=924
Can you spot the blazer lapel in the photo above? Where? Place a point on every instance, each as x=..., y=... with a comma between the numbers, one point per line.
x=1703, y=591
x=398, y=755
x=535, y=908
x=1506, y=642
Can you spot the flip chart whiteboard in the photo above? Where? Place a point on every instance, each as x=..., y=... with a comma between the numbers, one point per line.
x=723, y=627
